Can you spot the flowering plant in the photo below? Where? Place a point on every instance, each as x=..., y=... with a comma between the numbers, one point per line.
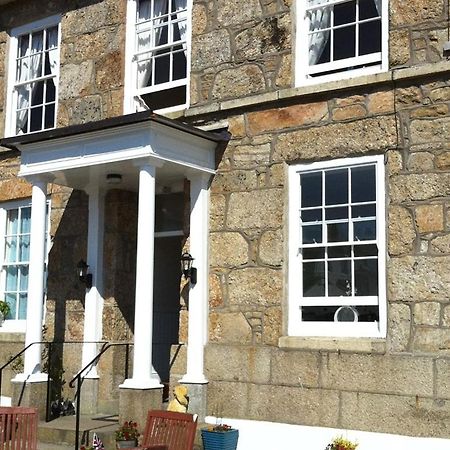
x=340, y=443
x=127, y=432
x=219, y=427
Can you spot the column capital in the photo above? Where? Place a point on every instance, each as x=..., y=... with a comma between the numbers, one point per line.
x=193, y=175
x=148, y=162
x=39, y=179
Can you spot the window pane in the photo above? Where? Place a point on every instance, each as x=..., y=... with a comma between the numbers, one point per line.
x=314, y=279
x=364, y=211
x=363, y=184
x=339, y=276
x=344, y=13
x=311, y=215
x=370, y=37
x=23, y=306
x=23, y=278
x=24, y=42
x=311, y=189
x=319, y=18
x=52, y=38
x=11, y=278
x=313, y=253
x=366, y=277
x=13, y=222
x=346, y=314
x=37, y=96
x=23, y=97
x=336, y=187
x=179, y=65
x=312, y=234
x=368, y=313
x=22, y=69
x=37, y=41
x=11, y=249
x=11, y=300
x=50, y=91
x=160, y=34
x=365, y=250
x=367, y=9
x=339, y=252
x=365, y=230
x=36, y=119
x=337, y=232
x=318, y=313
x=25, y=219
x=24, y=248
x=49, y=121
x=319, y=52
x=162, y=68
x=336, y=213
x=144, y=41
x=144, y=10
x=169, y=212
x=344, y=43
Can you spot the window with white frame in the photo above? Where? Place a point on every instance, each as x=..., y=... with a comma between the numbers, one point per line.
x=15, y=218
x=338, y=38
x=337, y=248
x=33, y=77
x=161, y=52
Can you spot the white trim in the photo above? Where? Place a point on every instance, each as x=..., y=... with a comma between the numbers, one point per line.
x=47, y=22
x=297, y=327
x=302, y=68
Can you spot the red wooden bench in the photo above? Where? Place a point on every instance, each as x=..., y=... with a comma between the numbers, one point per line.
x=18, y=428
x=167, y=430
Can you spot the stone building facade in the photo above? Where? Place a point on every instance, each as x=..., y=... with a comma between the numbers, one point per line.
x=244, y=79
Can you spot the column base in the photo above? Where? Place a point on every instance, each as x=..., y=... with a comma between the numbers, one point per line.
x=197, y=399
x=30, y=393
x=135, y=403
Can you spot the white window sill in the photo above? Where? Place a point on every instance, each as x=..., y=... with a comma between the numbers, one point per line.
x=330, y=344
x=13, y=327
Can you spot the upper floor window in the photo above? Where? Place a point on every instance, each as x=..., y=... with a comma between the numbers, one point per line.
x=15, y=228
x=160, y=55
x=337, y=248
x=33, y=77
x=338, y=38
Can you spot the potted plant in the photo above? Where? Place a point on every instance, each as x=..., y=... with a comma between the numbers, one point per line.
x=4, y=310
x=220, y=437
x=340, y=443
x=127, y=435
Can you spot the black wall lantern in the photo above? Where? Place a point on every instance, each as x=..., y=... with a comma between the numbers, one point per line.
x=83, y=275
x=189, y=272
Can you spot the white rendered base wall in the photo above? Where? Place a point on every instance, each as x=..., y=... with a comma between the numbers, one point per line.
x=270, y=435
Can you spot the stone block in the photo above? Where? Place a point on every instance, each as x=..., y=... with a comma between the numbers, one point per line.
x=289, y=404
x=427, y=313
x=430, y=130
x=256, y=287
x=235, y=180
x=238, y=363
x=443, y=378
x=229, y=327
x=266, y=210
x=446, y=316
x=217, y=212
x=30, y=394
x=399, y=375
x=227, y=399
x=231, y=12
x=87, y=109
x=390, y=413
x=416, y=187
x=443, y=161
x=76, y=80
x=394, y=162
x=135, y=403
x=336, y=140
x=198, y=396
x=296, y=368
x=109, y=71
x=288, y=117
x=399, y=327
x=440, y=94
x=421, y=162
x=178, y=358
x=381, y=102
x=272, y=323
x=285, y=73
x=249, y=156
x=429, y=218
x=238, y=82
x=402, y=233
x=418, y=278
x=210, y=50
x=350, y=112
x=217, y=284
x=236, y=126
x=14, y=188
x=415, y=12
x=431, y=340
x=228, y=249
x=199, y=19
x=429, y=111
x=271, y=247
x=399, y=48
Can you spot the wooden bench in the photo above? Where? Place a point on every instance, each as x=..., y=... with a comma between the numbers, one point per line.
x=167, y=430
x=18, y=428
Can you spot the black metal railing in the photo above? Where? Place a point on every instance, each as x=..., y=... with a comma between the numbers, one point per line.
x=80, y=376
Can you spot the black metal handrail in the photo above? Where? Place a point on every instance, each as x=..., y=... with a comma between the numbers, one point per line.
x=79, y=378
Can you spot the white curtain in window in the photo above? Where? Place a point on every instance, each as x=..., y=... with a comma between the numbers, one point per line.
x=52, y=37
x=22, y=91
x=378, y=6
x=319, y=19
x=144, y=40
x=180, y=6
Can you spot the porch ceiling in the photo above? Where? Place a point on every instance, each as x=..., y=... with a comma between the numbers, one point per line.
x=82, y=155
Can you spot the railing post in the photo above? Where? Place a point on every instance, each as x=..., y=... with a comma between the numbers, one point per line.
x=77, y=416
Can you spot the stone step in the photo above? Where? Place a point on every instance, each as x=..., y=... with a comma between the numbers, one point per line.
x=61, y=431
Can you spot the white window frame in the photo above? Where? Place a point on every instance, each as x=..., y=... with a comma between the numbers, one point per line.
x=303, y=70
x=295, y=273
x=14, y=325
x=11, y=98
x=132, y=100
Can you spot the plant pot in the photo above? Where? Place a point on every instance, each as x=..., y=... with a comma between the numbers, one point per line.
x=2, y=318
x=220, y=440
x=127, y=444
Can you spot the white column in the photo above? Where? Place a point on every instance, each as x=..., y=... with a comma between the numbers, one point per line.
x=93, y=298
x=32, y=363
x=143, y=376
x=198, y=293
